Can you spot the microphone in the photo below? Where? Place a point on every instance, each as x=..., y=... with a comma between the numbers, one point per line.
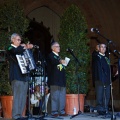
x=94, y=30
x=110, y=41
x=117, y=52
x=36, y=46
x=69, y=50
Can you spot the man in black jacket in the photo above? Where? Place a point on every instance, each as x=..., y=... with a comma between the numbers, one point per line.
x=94, y=55
x=101, y=75
x=57, y=81
x=19, y=81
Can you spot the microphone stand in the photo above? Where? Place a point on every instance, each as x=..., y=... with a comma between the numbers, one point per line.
x=30, y=117
x=78, y=64
x=108, y=41
x=43, y=64
x=113, y=117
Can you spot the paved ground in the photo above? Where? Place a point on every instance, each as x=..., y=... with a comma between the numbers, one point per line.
x=84, y=116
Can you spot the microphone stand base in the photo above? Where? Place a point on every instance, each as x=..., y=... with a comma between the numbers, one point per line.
x=45, y=114
x=79, y=112
x=113, y=117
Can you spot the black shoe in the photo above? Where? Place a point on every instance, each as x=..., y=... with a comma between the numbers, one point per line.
x=108, y=115
x=64, y=114
x=118, y=114
x=55, y=115
x=101, y=112
x=21, y=118
x=44, y=113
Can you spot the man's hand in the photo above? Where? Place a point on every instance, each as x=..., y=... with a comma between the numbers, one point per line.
x=24, y=45
x=29, y=46
x=62, y=61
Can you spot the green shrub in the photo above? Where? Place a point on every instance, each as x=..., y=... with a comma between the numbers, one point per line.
x=12, y=20
x=73, y=35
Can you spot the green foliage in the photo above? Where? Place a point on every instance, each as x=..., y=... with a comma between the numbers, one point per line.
x=73, y=35
x=12, y=20
x=5, y=88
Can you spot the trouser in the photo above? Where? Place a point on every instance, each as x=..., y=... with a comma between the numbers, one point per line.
x=58, y=98
x=19, y=89
x=102, y=96
x=46, y=105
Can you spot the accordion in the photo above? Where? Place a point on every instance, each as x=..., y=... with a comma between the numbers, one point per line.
x=26, y=61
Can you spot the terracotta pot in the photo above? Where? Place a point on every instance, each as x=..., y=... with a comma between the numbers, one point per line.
x=72, y=105
x=6, y=102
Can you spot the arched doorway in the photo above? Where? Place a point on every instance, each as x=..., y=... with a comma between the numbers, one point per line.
x=40, y=36
x=44, y=26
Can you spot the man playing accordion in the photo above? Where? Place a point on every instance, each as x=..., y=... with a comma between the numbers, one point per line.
x=19, y=81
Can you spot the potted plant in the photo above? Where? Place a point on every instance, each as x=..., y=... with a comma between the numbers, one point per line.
x=12, y=19
x=73, y=35
x=5, y=90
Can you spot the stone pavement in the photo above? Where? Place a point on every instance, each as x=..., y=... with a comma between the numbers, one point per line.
x=83, y=116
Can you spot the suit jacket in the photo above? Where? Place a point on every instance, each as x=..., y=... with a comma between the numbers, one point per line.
x=14, y=69
x=101, y=69
x=94, y=55
x=56, y=75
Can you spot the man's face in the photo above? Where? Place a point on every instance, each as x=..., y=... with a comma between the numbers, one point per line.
x=102, y=48
x=46, y=90
x=16, y=40
x=56, y=48
x=37, y=89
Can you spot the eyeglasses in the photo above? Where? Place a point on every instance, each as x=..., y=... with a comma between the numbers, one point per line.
x=18, y=39
x=56, y=46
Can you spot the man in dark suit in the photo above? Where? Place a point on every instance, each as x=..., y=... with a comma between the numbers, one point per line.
x=101, y=75
x=96, y=51
x=19, y=81
x=57, y=81
x=94, y=55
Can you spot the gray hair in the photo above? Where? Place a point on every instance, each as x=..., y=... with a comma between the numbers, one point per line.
x=102, y=44
x=53, y=44
x=13, y=36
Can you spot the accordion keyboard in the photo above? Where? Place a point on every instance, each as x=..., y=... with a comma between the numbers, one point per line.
x=21, y=64
x=26, y=61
